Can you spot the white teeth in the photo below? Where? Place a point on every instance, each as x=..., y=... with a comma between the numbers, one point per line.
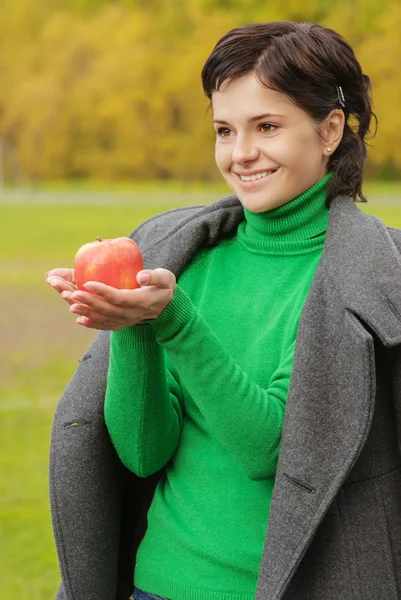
x=255, y=176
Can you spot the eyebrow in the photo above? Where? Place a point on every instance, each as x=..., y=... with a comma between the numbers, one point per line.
x=252, y=119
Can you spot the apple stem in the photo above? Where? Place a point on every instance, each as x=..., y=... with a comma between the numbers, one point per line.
x=99, y=239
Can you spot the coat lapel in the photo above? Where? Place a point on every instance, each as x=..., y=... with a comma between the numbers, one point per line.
x=356, y=291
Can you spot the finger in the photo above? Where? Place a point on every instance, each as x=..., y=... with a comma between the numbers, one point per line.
x=113, y=302
x=87, y=323
x=161, y=278
x=98, y=309
x=90, y=324
x=67, y=296
x=99, y=296
x=87, y=311
x=66, y=274
x=60, y=284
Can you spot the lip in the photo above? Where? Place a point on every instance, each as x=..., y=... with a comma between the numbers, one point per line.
x=256, y=182
x=248, y=173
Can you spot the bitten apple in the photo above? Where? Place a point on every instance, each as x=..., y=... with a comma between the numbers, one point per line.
x=114, y=262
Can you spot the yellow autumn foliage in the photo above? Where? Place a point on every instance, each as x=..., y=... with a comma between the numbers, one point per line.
x=110, y=90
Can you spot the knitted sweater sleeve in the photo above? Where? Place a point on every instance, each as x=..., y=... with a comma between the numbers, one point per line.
x=244, y=416
x=143, y=402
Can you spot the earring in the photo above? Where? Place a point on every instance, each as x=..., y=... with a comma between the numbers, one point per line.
x=328, y=149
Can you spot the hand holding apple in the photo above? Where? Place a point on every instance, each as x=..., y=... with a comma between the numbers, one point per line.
x=103, y=286
x=113, y=309
x=107, y=308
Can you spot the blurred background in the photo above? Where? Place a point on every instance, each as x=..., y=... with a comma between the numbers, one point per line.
x=103, y=123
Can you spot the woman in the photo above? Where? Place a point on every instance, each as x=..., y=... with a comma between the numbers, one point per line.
x=253, y=385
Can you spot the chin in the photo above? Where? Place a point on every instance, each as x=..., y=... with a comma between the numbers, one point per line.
x=258, y=205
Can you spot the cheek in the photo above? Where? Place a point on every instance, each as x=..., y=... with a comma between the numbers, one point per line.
x=311, y=141
x=222, y=156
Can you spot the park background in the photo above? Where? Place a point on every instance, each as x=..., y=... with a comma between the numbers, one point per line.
x=103, y=123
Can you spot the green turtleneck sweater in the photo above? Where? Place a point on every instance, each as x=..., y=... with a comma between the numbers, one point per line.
x=201, y=391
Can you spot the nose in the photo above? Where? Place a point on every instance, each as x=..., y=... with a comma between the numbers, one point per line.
x=244, y=150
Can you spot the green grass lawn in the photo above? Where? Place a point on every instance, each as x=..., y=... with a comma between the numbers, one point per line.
x=39, y=352
x=28, y=563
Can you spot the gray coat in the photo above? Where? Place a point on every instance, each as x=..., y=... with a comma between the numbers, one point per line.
x=334, y=529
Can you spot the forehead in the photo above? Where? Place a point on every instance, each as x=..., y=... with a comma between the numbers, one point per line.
x=246, y=97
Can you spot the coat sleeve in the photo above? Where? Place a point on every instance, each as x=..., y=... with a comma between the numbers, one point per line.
x=88, y=488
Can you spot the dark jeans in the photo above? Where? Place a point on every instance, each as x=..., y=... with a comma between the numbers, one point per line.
x=140, y=595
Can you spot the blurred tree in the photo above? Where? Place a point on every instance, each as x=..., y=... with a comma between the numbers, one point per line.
x=381, y=56
x=111, y=88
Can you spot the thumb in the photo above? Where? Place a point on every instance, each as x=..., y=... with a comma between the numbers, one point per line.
x=143, y=277
x=161, y=278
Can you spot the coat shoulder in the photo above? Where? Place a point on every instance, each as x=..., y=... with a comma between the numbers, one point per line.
x=395, y=235
x=165, y=221
x=164, y=225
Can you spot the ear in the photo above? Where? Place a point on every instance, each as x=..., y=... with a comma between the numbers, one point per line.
x=333, y=128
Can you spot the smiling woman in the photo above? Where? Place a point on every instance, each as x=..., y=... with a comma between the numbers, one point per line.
x=241, y=411
x=280, y=93
x=261, y=154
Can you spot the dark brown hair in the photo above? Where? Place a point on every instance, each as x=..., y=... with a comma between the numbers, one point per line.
x=307, y=62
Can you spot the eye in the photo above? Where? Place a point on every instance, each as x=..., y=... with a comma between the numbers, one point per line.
x=223, y=132
x=264, y=127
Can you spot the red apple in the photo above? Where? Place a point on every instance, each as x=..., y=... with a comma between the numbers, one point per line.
x=114, y=262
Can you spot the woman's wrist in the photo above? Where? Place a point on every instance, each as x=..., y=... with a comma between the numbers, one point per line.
x=175, y=316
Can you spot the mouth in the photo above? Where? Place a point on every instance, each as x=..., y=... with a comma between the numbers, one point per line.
x=255, y=178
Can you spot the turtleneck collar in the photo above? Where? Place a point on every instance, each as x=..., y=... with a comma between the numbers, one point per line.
x=297, y=226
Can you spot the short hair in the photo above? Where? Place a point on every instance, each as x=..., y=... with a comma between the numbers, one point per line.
x=305, y=61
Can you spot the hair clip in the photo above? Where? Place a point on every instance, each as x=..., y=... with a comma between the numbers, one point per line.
x=341, y=98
